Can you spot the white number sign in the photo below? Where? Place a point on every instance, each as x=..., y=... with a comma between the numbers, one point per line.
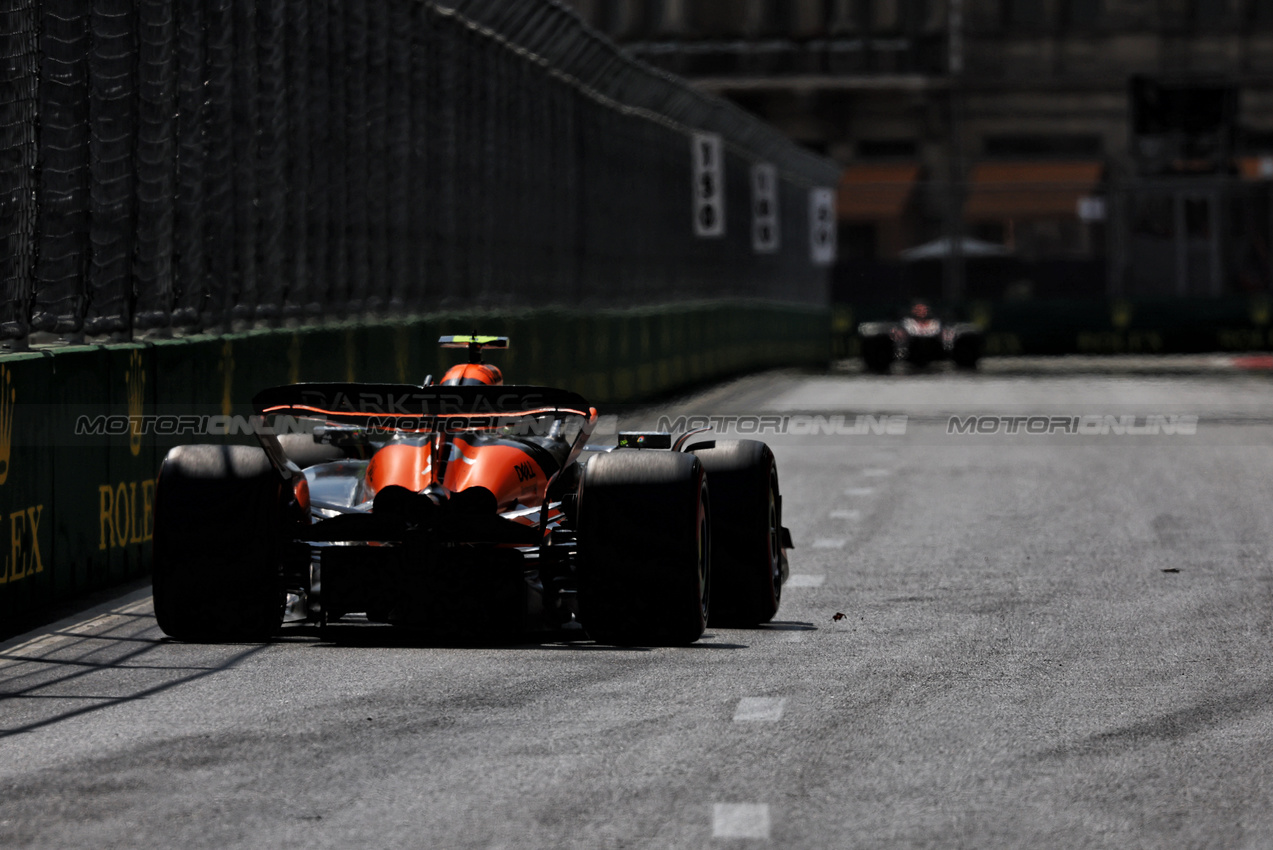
x=822, y=226
x=709, y=185
x=764, y=208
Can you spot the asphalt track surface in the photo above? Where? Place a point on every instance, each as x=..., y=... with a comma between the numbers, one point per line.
x=1048, y=640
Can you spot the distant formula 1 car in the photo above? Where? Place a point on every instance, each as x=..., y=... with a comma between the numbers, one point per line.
x=464, y=509
x=919, y=339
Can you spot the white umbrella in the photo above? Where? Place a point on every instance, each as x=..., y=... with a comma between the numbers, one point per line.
x=941, y=248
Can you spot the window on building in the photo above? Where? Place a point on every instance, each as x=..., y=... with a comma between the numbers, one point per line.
x=1262, y=13
x=885, y=16
x=914, y=15
x=1024, y=14
x=1033, y=147
x=909, y=15
x=780, y=16
x=1082, y=14
x=880, y=16
x=808, y=18
x=1209, y=13
x=588, y=10
x=887, y=149
x=1257, y=141
x=649, y=18
x=713, y=18
x=614, y=17
x=843, y=17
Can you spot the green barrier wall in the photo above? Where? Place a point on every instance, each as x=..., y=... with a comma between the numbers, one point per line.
x=1120, y=326
x=76, y=509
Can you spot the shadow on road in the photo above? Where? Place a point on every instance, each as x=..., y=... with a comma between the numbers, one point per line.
x=57, y=673
x=1210, y=715
x=787, y=626
x=379, y=636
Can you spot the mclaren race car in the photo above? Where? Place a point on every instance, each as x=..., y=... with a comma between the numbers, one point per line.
x=920, y=338
x=467, y=510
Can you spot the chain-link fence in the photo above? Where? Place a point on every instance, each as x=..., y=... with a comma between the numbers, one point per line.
x=204, y=164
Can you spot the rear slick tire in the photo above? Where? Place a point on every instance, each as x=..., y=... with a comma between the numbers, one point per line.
x=747, y=557
x=224, y=528
x=877, y=354
x=644, y=548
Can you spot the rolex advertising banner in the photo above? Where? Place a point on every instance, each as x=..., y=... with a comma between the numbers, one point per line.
x=81, y=450
x=27, y=551
x=124, y=499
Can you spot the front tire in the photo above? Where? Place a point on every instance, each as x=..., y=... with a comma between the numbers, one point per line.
x=223, y=537
x=644, y=536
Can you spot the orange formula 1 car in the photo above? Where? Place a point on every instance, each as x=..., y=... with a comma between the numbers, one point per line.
x=465, y=510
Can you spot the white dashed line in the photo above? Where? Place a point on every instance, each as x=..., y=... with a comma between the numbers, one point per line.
x=759, y=709
x=804, y=580
x=877, y=473
x=740, y=820
x=859, y=491
x=829, y=543
x=854, y=515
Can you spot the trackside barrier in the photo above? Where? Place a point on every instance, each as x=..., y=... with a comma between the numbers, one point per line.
x=76, y=510
x=180, y=165
x=1117, y=326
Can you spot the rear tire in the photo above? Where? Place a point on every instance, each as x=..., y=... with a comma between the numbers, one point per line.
x=877, y=353
x=224, y=531
x=747, y=557
x=966, y=350
x=644, y=536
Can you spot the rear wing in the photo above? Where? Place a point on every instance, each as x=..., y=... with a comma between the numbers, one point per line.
x=387, y=403
x=406, y=407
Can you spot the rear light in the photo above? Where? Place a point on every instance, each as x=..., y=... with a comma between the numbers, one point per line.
x=300, y=489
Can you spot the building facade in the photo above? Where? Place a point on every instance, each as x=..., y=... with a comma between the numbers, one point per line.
x=1109, y=147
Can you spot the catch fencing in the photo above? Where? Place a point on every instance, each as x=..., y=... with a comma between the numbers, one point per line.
x=186, y=165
